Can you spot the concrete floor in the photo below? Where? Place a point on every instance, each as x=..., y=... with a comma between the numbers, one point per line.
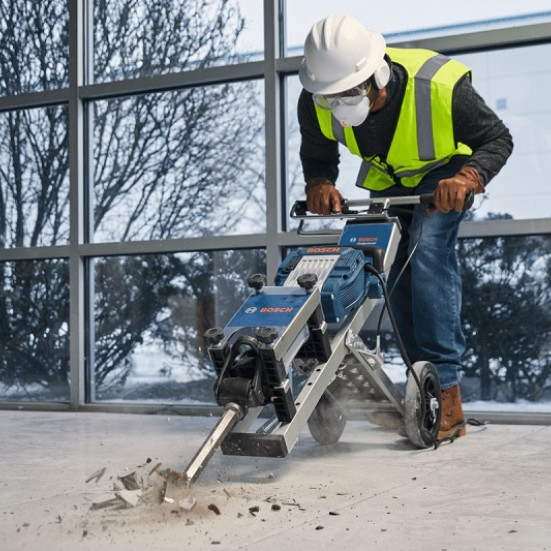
x=371, y=490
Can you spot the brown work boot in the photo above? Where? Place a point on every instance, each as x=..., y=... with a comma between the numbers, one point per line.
x=453, y=420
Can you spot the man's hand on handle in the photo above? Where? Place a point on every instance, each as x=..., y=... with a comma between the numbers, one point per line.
x=322, y=197
x=450, y=194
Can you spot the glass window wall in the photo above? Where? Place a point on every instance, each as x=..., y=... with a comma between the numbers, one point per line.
x=34, y=331
x=150, y=314
x=34, y=177
x=509, y=81
x=507, y=321
x=140, y=185
x=185, y=163
x=34, y=46
x=142, y=38
x=400, y=21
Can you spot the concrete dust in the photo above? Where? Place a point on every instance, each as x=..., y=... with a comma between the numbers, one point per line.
x=161, y=493
x=160, y=500
x=126, y=504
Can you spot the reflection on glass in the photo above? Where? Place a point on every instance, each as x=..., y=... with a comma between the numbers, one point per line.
x=187, y=163
x=34, y=330
x=506, y=319
x=34, y=177
x=510, y=81
x=507, y=324
x=146, y=37
x=150, y=313
x=34, y=45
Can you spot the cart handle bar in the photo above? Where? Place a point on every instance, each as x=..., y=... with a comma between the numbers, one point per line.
x=376, y=205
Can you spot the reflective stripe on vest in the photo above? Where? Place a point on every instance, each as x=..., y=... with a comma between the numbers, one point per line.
x=425, y=135
x=334, y=130
x=423, y=138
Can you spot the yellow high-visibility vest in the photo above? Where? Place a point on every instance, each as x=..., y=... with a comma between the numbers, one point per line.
x=423, y=139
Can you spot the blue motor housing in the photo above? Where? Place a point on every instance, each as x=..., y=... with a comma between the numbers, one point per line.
x=346, y=285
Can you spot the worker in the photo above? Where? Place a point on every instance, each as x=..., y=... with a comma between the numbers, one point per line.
x=419, y=126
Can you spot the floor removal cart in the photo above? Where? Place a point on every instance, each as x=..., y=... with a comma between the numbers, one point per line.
x=293, y=350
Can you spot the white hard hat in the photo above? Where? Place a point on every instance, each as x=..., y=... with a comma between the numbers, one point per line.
x=339, y=54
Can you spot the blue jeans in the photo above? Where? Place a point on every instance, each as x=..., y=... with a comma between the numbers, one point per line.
x=426, y=300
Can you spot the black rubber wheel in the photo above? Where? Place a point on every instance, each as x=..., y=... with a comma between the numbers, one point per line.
x=327, y=421
x=422, y=410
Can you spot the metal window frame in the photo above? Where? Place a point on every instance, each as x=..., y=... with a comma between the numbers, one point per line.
x=273, y=70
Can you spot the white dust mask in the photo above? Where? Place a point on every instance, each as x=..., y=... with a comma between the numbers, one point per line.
x=350, y=108
x=351, y=115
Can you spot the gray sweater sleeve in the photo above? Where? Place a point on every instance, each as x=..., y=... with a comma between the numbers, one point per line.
x=319, y=156
x=477, y=126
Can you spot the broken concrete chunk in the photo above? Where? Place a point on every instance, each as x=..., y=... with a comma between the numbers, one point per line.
x=104, y=502
x=130, y=497
x=129, y=490
x=187, y=504
x=130, y=482
x=96, y=475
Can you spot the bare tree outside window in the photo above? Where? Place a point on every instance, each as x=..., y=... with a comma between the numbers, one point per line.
x=180, y=163
x=34, y=46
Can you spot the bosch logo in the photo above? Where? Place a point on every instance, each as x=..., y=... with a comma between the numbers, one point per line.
x=250, y=310
x=368, y=240
x=275, y=310
x=353, y=240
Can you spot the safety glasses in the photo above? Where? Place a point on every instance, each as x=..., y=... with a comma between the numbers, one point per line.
x=353, y=96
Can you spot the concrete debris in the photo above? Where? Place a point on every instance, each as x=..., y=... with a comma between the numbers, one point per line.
x=149, y=485
x=145, y=485
x=158, y=487
x=130, y=497
x=174, y=477
x=155, y=468
x=105, y=502
x=130, y=482
x=96, y=475
x=212, y=507
x=187, y=504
